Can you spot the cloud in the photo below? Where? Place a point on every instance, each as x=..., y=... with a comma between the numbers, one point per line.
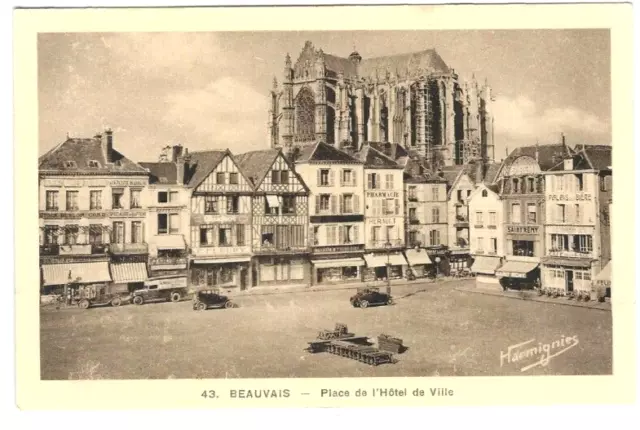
x=225, y=112
x=521, y=120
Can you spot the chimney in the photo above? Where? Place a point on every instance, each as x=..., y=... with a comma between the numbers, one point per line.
x=106, y=141
x=182, y=165
x=479, y=171
x=176, y=153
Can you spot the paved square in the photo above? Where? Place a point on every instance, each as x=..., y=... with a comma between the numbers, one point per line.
x=447, y=332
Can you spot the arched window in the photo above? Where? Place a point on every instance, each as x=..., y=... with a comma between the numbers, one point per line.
x=516, y=185
x=305, y=107
x=484, y=193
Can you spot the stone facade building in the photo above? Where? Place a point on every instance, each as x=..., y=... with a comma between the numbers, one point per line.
x=414, y=99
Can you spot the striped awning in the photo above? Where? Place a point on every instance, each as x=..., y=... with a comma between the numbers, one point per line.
x=485, y=265
x=343, y=262
x=381, y=260
x=129, y=272
x=169, y=241
x=516, y=269
x=416, y=258
x=83, y=273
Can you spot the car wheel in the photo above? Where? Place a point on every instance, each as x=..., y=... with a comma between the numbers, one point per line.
x=364, y=304
x=390, y=301
x=138, y=300
x=202, y=306
x=175, y=297
x=228, y=305
x=116, y=302
x=84, y=304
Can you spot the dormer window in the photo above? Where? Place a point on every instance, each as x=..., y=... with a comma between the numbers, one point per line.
x=163, y=180
x=70, y=164
x=94, y=164
x=568, y=164
x=117, y=163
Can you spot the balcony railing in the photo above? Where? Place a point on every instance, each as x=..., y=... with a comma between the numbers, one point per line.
x=167, y=261
x=462, y=218
x=346, y=247
x=414, y=221
x=412, y=198
x=49, y=249
x=128, y=248
x=568, y=253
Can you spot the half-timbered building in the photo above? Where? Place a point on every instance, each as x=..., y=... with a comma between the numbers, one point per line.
x=336, y=213
x=220, y=230
x=280, y=219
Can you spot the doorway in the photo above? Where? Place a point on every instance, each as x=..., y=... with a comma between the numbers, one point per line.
x=568, y=276
x=243, y=278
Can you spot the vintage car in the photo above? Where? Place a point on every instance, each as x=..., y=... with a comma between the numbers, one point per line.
x=165, y=288
x=99, y=295
x=365, y=297
x=205, y=299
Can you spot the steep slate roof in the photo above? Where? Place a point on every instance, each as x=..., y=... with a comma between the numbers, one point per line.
x=322, y=152
x=491, y=173
x=548, y=155
x=372, y=158
x=256, y=164
x=451, y=173
x=394, y=151
x=81, y=151
x=166, y=170
x=587, y=157
x=201, y=165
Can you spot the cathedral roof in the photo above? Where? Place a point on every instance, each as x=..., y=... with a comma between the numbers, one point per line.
x=322, y=152
x=74, y=155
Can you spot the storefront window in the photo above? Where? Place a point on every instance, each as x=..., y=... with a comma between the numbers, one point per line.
x=350, y=272
x=523, y=248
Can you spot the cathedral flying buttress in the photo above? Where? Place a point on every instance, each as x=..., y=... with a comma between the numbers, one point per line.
x=414, y=100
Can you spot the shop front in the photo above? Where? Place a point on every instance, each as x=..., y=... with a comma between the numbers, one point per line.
x=68, y=278
x=603, y=281
x=271, y=271
x=332, y=271
x=221, y=272
x=168, y=255
x=419, y=261
x=459, y=261
x=383, y=266
x=568, y=276
x=484, y=267
x=520, y=275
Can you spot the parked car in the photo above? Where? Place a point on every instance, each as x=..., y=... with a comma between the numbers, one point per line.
x=92, y=295
x=169, y=288
x=365, y=297
x=205, y=299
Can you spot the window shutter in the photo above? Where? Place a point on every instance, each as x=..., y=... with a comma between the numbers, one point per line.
x=355, y=180
x=369, y=181
x=342, y=178
x=317, y=199
x=319, y=177
x=378, y=183
x=341, y=204
x=355, y=234
x=356, y=204
x=397, y=206
x=331, y=178
x=391, y=181
x=334, y=204
x=340, y=235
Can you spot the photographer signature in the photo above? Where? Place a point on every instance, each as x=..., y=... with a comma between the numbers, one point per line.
x=543, y=351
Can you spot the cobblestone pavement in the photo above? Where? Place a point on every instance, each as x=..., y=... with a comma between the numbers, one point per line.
x=447, y=332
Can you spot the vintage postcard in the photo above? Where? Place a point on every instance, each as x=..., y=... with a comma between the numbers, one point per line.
x=330, y=206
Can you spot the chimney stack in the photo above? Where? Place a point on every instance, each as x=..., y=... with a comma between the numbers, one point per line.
x=106, y=141
x=176, y=153
x=182, y=165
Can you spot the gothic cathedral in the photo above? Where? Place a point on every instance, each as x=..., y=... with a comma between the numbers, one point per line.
x=413, y=99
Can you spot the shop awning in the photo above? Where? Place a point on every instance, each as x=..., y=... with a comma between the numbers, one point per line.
x=485, y=265
x=516, y=269
x=222, y=260
x=273, y=201
x=381, y=260
x=344, y=262
x=566, y=261
x=415, y=257
x=128, y=272
x=605, y=274
x=169, y=241
x=84, y=273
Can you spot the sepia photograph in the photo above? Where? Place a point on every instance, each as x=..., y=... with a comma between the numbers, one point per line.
x=325, y=204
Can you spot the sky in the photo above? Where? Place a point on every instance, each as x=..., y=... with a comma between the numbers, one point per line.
x=210, y=90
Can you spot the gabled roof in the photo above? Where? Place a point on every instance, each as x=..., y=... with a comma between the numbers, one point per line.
x=80, y=151
x=494, y=188
x=374, y=159
x=201, y=164
x=452, y=173
x=322, y=153
x=256, y=164
x=395, y=151
x=588, y=157
x=161, y=173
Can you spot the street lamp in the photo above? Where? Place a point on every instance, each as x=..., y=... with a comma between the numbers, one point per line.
x=437, y=259
x=388, y=246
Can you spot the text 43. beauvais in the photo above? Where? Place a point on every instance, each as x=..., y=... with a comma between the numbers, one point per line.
x=388, y=392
